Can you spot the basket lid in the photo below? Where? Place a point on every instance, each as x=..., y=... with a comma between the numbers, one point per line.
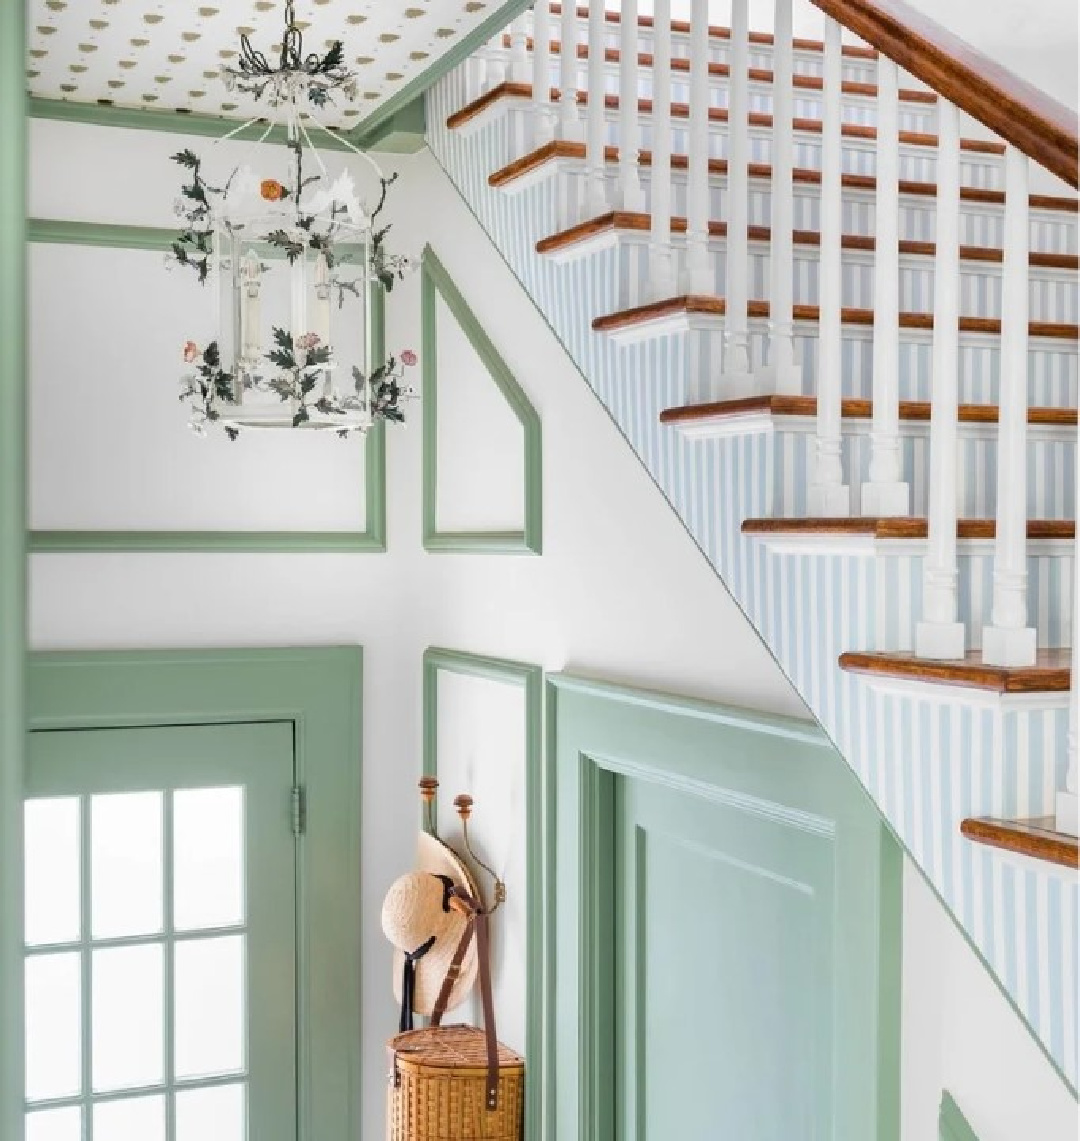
x=450, y=1048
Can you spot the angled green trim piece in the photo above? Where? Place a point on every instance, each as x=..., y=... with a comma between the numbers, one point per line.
x=172, y=122
x=13, y=384
x=446, y=63
x=531, y=679
x=952, y=1124
x=403, y=133
x=320, y=691
x=435, y=283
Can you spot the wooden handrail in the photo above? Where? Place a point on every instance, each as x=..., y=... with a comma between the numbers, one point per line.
x=1044, y=129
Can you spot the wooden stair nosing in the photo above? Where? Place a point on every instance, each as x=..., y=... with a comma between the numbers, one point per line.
x=755, y=74
x=682, y=27
x=1050, y=674
x=901, y=527
x=852, y=408
x=716, y=115
x=1034, y=837
x=717, y=307
x=636, y=222
x=568, y=149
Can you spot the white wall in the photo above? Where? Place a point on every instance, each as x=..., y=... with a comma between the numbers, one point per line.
x=620, y=591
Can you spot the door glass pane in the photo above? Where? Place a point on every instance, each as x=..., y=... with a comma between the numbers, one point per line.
x=53, y=1022
x=209, y=1006
x=211, y=1114
x=208, y=855
x=132, y=1119
x=55, y=1125
x=128, y=1022
x=125, y=838
x=52, y=871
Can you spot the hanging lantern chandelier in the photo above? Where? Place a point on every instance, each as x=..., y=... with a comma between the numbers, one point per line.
x=293, y=258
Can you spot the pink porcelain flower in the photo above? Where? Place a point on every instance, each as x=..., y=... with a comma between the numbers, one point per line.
x=191, y=352
x=308, y=341
x=408, y=358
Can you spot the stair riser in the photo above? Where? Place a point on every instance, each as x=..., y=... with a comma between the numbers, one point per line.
x=1051, y=471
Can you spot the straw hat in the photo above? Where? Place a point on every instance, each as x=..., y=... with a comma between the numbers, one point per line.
x=416, y=912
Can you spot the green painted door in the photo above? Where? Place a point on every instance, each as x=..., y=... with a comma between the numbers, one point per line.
x=161, y=934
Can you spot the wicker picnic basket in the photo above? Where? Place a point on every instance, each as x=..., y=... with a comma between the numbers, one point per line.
x=439, y=1088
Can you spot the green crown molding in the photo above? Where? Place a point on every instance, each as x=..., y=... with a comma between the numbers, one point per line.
x=320, y=692
x=372, y=540
x=13, y=369
x=435, y=283
x=530, y=678
x=952, y=1124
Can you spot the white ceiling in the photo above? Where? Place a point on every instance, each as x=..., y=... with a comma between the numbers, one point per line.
x=165, y=54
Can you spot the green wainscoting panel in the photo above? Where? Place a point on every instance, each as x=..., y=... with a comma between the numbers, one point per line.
x=722, y=911
x=13, y=370
x=320, y=693
x=531, y=679
x=372, y=540
x=436, y=282
x=952, y=1124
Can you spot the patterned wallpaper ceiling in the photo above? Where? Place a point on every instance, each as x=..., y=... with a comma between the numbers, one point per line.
x=165, y=54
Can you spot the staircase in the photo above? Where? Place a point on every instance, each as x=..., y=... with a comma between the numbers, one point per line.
x=847, y=353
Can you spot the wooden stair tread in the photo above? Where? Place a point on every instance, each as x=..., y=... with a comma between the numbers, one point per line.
x=851, y=408
x=568, y=149
x=900, y=527
x=1050, y=674
x=755, y=74
x=716, y=115
x=717, y=307
x=1034, y=836
x=635, y=222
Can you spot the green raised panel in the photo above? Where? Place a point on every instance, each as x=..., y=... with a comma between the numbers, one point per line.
x=436, y=282
x=722, y=906
x=318, y=693
x=260, y=759
x=372, y=540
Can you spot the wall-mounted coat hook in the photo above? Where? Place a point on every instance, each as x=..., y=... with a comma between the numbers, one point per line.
x=463, y=802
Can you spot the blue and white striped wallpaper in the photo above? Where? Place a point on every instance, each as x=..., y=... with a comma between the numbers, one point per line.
x=928, y=762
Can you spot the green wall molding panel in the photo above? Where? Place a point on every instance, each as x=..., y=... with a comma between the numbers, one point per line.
x=13, y=368
x=779, y=781
x=435, y=283
x=372, y=540
x=952, y=1124
x=320, y=692
x=530, y=678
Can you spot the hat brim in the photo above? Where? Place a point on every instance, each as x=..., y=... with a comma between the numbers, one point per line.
x=431, y=970
x=433, y=856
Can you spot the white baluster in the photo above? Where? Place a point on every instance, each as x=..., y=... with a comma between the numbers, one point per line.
x=661, y=267
x=569, y=119
x=886, y=493
x=543, y=114
x=631, y=194
x=736, y=379
x=519, y=50
x=699, y=272
x=829, y=495
x=596, y=202
x=939, y=634
x=783, y=373
x=497, y=60
x=1066, y=809
x=1009, y=640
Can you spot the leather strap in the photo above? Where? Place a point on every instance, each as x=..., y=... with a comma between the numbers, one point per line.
x=483, y=950
x=452, y=972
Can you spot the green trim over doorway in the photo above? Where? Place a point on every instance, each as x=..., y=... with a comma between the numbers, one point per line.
x=371, y=540
x=435, y=283
x=320, y=692
x=531, y=679
x=13, y=369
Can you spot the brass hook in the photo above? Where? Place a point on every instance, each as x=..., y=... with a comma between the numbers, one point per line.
x=463, y=803
x=428, y=787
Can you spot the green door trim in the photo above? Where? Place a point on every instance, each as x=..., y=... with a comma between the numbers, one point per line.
x=436, y=282
x=13, y=369
x=371, y=540
x=952, y=1124
x=530, y=678
x=320, y=692
x=574, y=1041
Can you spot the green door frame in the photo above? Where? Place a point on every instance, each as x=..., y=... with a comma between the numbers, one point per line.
x=320, y=692
x=13, y=174
x=591, y=726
